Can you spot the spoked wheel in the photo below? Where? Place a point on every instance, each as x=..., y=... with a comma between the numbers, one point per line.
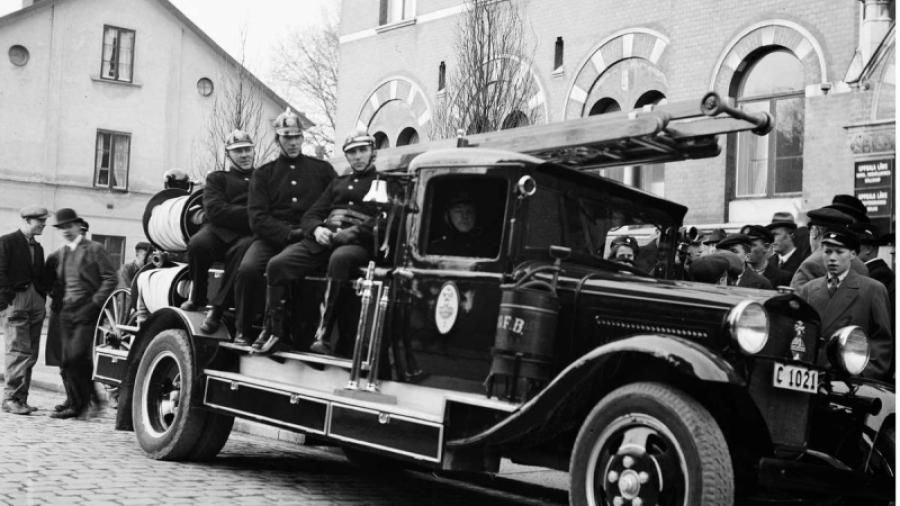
x=649, y=444
x=170, y=421
x=116, y=312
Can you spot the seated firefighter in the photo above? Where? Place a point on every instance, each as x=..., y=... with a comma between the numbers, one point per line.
x=623, y=250
x=463, y=234
x=226, y=234
x=340, y=235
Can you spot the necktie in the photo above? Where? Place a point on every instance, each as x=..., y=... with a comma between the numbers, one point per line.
x=832, y=285
x=780, y=263
x=32, y=245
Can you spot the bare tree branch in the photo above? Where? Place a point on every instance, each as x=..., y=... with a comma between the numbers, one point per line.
x=490, y=86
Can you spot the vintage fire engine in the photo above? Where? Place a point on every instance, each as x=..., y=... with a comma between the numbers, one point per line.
x=647, y=389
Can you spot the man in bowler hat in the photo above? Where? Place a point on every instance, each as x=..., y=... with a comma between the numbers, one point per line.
x=22, y=292
x=87, y=277
x=844, y=297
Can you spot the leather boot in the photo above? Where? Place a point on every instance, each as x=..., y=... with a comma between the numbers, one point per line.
x=213, y=320
x=333, y=291
x=274, y=321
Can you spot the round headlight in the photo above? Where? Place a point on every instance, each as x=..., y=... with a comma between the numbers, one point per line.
x=749, y=326
x=848, y=349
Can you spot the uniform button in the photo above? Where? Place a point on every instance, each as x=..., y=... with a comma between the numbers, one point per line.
x=355, y=180
x=292, y=166
x=351, y=203
x=294, y=199
x=349, y=186
x=294, y=183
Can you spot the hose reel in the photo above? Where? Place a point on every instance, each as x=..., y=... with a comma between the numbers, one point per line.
x=171, y=217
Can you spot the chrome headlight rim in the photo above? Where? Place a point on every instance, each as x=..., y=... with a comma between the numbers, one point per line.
x=737, y=332
x=839, y=344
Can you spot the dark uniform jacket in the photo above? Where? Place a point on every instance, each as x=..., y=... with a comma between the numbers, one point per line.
x=281, y=191
x=95, y=269
x=859, y=300
x=17, y=270
x=750, y=279
x=225, y=203
x=345, y=193
x=813, y=267
x=781, y=276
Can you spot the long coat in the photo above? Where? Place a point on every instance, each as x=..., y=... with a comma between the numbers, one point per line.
x=862, y=301
x=17, y=269
x=95, y=269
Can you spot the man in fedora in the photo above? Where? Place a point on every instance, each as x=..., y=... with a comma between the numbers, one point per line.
x=88, y=277
x=821, y=220
x=844, y=297
x=787, y=255
x=22, y=292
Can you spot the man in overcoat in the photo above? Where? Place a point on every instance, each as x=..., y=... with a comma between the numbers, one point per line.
x=844, y=297
x=844, y=211
x=22, y=300
x=88, y=277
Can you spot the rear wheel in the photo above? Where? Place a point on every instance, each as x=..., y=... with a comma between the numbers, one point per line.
x=170, y=421
x=647, y=443
x=115, y=313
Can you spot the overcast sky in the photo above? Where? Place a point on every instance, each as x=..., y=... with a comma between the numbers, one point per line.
x=265, y=22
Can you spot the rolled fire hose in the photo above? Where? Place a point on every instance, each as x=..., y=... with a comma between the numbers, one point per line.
x=161, y=288
x=172, y=217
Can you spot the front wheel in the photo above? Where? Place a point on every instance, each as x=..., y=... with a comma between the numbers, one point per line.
x=650, y=444
x=170, y=421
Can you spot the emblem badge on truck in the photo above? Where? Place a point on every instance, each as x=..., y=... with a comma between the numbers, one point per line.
x=797, y=346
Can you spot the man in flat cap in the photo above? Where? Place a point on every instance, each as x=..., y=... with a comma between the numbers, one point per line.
x=87, y=277
x=740, y=244
x=844, y=297
x=760, y=251
x=787, y=254
x=820, y=221
x=22, y=300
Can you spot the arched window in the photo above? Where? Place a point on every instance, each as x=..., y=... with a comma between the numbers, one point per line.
x=771, y=165
x=651, y=97
x=605, y=105
x=381, y=140
x=515, y=119
x=408, y=136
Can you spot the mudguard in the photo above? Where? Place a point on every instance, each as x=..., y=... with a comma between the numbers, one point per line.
x=684, y=356
x=872, y=389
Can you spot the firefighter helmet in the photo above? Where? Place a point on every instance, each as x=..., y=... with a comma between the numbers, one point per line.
x=176, y=178
x=358, y=138
x=288, y=124
x=624, y=240
x=238, y=139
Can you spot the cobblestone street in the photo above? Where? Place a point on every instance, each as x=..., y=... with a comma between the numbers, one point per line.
x=49, y=461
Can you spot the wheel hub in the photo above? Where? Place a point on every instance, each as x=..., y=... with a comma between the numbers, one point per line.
x=633, y=478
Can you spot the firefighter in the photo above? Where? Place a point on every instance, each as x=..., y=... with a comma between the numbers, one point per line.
x=463, y=234
x=280, y=192
x=623, y=250
x=339, y=234
x=226, y=234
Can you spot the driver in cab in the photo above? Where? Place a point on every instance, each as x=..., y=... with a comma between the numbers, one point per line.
x=463, y=236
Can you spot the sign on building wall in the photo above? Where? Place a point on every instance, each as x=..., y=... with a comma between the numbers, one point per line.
x=874, y=183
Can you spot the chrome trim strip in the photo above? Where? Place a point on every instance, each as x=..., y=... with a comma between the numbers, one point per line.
x=608, y=322
x=300, y=356
x=449, y=273
x=254, y=416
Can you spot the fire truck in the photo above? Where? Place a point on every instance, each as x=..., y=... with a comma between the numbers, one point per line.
x=646, y=388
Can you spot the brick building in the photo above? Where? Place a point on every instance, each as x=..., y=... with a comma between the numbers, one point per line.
x=98, y=98
x=825, y=70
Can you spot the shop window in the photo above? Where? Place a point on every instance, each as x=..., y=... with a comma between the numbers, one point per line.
x=408, y=136
x=381, y=140
x=117, y=61
x=605, y=105
x=394, y=11
x=772, y=164
x=466, y=216
x=112, y=159
x=114, y=245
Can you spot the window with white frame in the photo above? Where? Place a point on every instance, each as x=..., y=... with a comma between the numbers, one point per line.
x=118, y=54
x=394, y=11
x=772, y=165
x=112, y=159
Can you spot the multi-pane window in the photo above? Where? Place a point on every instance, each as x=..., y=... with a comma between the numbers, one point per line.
x=114, y=245
x=394, y=11
x=771, y=165
x=112, y=157
x=118, y=54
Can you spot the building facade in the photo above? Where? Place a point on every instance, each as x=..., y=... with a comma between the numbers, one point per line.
x=825, y=70
x=98, y=98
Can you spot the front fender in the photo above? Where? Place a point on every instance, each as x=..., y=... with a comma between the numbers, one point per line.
x=681, y=355
x=871, y=389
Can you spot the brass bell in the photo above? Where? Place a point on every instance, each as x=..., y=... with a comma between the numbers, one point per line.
x=377, y=192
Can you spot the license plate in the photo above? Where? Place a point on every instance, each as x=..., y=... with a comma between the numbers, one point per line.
x=792, y=377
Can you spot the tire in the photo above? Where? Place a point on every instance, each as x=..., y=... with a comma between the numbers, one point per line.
x=880, y=463
x=652, y=442
x=170, y=421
